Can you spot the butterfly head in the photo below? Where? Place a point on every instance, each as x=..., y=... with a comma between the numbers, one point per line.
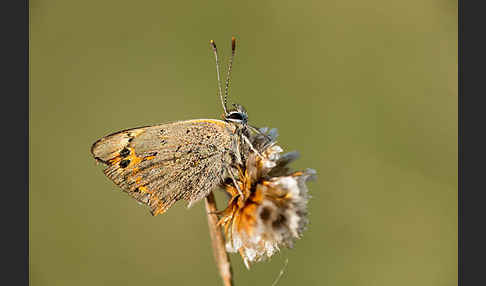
x=237, y=115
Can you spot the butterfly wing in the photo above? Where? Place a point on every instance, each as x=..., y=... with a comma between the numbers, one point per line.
x=161, y=164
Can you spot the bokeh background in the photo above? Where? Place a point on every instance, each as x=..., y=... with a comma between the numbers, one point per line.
x=365, y=90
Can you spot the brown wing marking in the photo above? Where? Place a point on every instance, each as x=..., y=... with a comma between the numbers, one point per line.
x=110, y=146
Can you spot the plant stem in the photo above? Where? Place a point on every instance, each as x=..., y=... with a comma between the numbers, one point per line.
x=217, y=241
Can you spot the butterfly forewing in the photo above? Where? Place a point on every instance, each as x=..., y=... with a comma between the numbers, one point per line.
x=161, y=164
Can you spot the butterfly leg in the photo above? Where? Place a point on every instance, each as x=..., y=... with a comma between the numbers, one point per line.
x=251, y=146
x=235, y=183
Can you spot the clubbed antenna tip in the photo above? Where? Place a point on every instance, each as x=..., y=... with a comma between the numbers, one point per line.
x=230, y=66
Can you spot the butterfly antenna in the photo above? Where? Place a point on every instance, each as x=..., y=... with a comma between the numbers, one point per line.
x=230, y=65
x=220, y=89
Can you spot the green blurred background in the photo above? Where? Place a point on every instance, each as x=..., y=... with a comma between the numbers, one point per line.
x=365, y=90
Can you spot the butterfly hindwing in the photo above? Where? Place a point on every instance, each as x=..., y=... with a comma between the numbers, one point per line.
x=161, y=164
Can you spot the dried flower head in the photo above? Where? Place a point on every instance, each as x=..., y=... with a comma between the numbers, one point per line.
x=272, y=210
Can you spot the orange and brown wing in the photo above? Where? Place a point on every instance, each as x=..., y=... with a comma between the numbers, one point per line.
x=161, y=164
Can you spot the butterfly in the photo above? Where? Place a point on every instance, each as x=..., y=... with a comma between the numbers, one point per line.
x=159, y=165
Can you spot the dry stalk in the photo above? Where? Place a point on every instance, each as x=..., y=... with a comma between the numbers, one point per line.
x=217, y=241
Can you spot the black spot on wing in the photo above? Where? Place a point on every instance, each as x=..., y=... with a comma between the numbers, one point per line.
x=113, y=134
x=124, y=163
x=125, y=152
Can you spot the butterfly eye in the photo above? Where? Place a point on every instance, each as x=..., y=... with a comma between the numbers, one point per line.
x=237, y=117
